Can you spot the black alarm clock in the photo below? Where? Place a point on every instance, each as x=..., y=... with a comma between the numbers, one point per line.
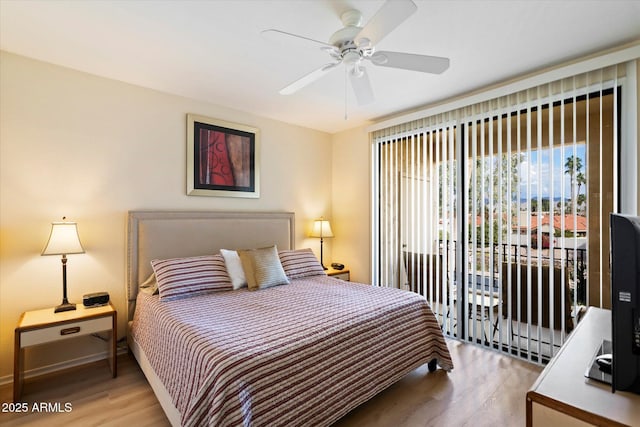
x=95, y=299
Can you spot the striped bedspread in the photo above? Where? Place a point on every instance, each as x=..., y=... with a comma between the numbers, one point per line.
x=300, y=354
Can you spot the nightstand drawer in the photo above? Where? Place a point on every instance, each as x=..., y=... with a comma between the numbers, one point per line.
x=67, y=330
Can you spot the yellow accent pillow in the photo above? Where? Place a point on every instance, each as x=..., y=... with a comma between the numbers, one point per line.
x=262, y=268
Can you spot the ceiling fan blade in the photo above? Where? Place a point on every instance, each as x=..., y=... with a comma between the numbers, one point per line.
x=299, y=41
x=361, y=85
x=387, y=18
x=309, y=78
x=410, y=61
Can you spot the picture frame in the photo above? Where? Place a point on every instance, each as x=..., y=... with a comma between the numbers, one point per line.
x=223, y=158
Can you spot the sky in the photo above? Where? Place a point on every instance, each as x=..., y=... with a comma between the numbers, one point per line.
x=549, y=165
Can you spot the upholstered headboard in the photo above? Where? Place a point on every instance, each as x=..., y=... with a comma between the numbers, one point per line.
x=175, y=234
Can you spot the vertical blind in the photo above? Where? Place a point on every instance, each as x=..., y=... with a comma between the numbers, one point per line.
x=497, y=212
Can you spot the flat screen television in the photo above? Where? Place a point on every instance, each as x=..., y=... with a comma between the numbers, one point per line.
x=625, y=302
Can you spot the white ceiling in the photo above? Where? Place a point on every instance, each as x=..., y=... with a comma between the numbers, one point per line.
x=213, y=50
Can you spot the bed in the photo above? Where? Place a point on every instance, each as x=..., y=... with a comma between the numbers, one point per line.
x=302, y=353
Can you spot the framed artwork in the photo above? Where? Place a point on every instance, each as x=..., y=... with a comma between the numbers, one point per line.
x=222, y=158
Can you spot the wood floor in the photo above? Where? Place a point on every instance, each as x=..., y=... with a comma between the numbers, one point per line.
x=484, y=389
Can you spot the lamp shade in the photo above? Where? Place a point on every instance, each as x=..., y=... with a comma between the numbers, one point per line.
x=321, y=228
x=63, y=240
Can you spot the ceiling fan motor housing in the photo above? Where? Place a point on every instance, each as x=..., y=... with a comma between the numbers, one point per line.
x=344, y=39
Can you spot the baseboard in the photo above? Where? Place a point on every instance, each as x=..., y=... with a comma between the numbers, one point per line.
x=7, y=379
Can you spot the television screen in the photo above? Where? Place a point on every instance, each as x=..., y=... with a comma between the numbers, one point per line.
x=625, y=304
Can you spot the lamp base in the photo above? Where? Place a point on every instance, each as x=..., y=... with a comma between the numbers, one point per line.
x=65, y=306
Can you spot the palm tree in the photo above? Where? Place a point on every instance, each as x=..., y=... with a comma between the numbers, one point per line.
x=573, y=167
x=581, y=180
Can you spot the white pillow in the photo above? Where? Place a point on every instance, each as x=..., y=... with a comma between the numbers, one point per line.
x=234, y=268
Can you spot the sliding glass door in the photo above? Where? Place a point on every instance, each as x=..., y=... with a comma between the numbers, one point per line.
x=415, y=221
x=497, y=213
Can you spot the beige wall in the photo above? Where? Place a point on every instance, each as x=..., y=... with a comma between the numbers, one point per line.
x=91, y=148
x=352, y=202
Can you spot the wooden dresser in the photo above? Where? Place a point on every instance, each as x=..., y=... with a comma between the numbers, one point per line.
x=563, y=396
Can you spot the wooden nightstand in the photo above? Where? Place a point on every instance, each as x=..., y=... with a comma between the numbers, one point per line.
x=44, y=326
x=339, y=274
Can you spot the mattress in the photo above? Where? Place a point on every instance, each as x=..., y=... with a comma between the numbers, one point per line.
x=299, y=354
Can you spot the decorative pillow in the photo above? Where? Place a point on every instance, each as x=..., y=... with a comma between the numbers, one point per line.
x=262, y=268
x=300, y=263
x=185, y=277
x=149, y=286
x=234, y=268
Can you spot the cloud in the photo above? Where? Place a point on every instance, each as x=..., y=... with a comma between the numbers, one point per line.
x=540, y=176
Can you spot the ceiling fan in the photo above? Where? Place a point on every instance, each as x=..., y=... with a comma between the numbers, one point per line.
x=353, y=44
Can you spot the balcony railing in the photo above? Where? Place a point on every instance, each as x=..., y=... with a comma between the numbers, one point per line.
x=495, y=316
x=573, y=261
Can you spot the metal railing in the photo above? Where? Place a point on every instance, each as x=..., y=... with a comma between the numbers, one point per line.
x=493, y=320
x=571, y=260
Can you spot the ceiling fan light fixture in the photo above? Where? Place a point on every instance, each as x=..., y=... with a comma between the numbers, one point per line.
x=351, y=57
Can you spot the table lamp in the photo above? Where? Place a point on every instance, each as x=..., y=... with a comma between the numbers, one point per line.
x=63, y=240
x=321, y=229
